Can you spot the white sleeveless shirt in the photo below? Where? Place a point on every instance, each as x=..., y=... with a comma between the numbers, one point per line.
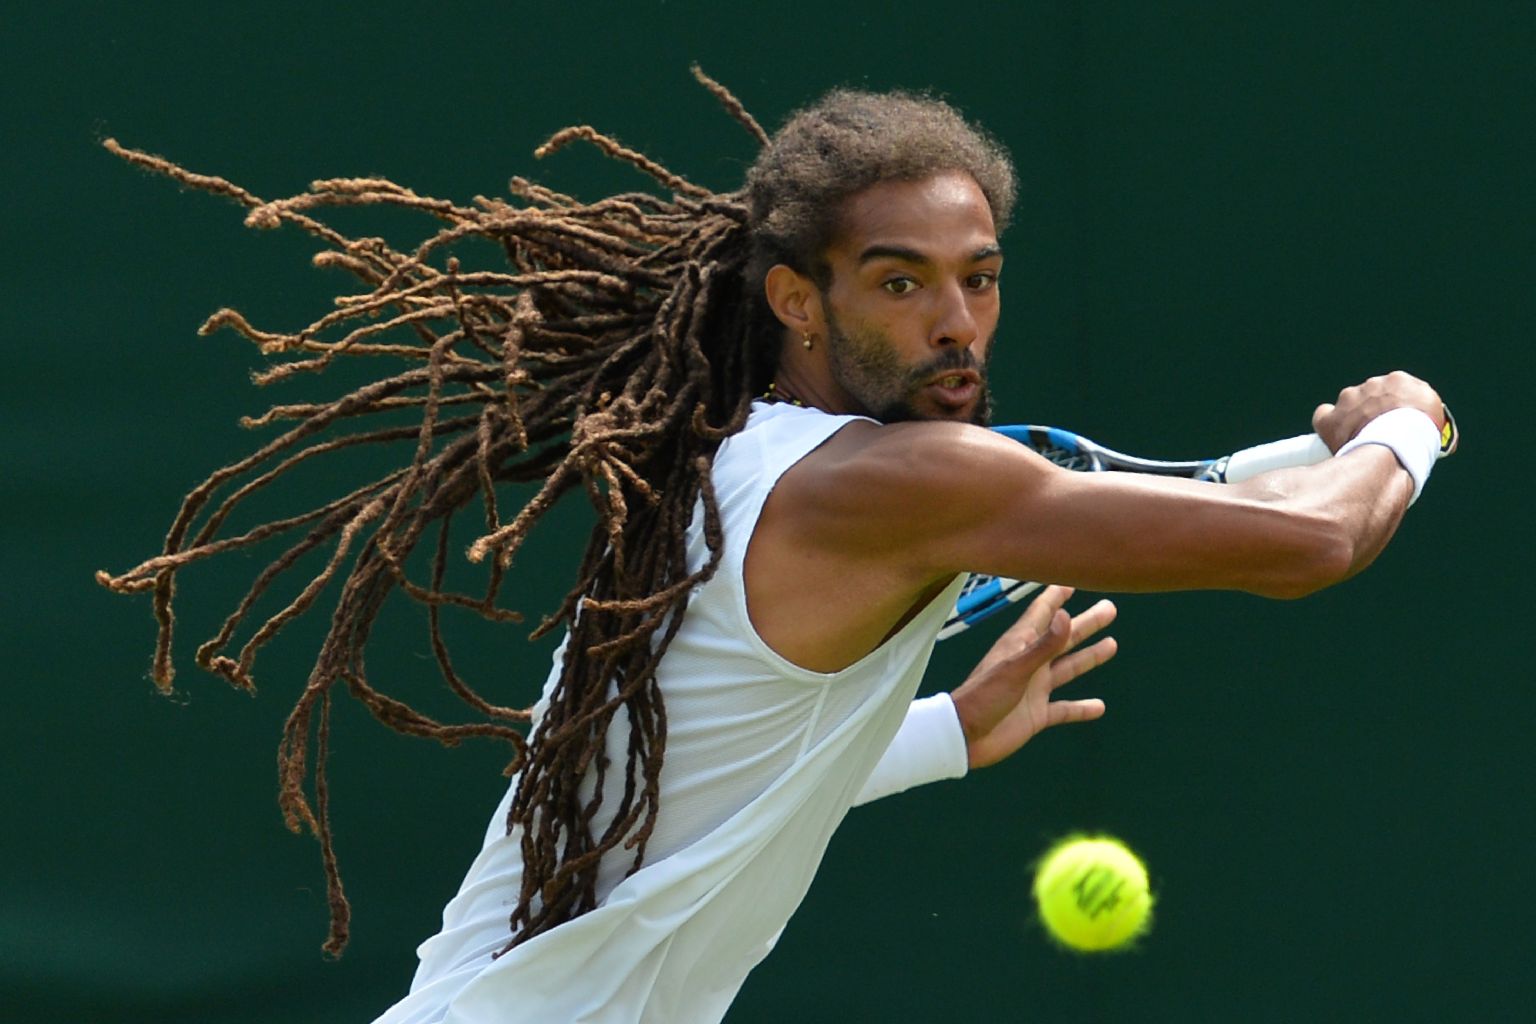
x=763, y=759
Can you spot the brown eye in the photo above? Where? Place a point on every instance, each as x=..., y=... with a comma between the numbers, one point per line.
x=899, y=285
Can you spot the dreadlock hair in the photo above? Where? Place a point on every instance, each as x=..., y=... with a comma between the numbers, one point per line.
x=624, y=342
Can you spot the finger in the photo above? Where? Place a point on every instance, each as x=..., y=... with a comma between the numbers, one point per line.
x=1320, y=414
x=1059, y=633
x=1054, y=640
x=1057, y=594
x=1089, y=622
x=1041, y=610
x=1066, y=712
x=1035, y=623
x=1069, y=667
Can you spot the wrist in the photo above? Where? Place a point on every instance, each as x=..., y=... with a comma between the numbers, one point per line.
x=929, y=746
x=1410, y=434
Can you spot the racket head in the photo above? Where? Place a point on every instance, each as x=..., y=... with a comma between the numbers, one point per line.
x=1073, y=451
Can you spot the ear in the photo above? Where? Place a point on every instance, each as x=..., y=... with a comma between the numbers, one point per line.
x=794, y=299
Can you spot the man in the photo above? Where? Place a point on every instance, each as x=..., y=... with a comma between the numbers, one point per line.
x=791, y=480
x=864, y=526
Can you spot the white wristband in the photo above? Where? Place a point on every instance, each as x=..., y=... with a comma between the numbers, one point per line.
x=1412, y=436
x=929, y=746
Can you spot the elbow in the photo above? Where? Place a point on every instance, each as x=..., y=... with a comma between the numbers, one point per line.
x=1317, y=561
x=1327, y=536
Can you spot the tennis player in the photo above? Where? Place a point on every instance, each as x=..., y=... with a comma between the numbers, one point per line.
x=777, y=409
x=857, y=493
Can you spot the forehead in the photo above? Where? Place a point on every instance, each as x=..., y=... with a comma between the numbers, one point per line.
x=934, y=215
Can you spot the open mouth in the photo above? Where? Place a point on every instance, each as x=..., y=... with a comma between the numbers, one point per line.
x=955, y=389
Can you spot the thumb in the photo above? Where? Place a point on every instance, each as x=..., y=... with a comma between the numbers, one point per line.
x=1057, y=635
x=1320, y=414
x=1327, y=428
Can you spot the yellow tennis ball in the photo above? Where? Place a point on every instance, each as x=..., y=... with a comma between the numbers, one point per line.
x=1092, y=893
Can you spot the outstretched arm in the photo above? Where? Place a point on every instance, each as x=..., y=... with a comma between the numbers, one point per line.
x=915, y=502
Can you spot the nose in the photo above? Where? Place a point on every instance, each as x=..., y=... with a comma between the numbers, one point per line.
x=954, y=323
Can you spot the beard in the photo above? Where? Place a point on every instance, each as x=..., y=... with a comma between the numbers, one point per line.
x=865, y=365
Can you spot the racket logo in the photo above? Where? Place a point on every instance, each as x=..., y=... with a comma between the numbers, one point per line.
x=1450, y=437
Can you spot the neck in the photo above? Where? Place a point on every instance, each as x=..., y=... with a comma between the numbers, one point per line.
x=803, y=379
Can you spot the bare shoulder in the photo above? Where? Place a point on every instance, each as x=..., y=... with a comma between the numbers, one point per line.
x=878, y=485
x=851, y=541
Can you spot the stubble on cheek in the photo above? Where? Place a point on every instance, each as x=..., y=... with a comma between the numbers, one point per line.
x=866, y=366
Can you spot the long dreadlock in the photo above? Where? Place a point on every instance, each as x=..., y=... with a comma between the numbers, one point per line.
x=624, y=344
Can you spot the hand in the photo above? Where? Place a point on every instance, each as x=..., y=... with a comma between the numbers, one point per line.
x=1006, y=699
x=1357, y=406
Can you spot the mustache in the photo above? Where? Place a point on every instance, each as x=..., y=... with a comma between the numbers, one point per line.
x=946, y=362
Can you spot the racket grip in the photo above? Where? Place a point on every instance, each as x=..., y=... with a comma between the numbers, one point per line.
x=1303, y=450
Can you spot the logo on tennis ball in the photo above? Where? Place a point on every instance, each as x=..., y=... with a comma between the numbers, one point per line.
x=1097, y=892
x=1092, y=894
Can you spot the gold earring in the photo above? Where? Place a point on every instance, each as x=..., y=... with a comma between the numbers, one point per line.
x=809, y=341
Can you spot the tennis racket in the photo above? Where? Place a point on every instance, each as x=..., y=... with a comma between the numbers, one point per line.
x=984, y=595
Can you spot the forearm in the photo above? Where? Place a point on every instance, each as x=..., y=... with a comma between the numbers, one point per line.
x=1364, y=491
x=1282, y=534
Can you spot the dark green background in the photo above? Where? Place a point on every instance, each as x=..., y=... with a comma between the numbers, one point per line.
x=1225, y=217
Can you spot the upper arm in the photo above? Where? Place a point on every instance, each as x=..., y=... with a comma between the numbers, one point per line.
x=932, y=499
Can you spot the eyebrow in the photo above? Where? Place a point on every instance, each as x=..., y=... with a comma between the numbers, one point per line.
x=901, y=252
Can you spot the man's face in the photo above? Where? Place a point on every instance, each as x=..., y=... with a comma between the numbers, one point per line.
x=913, y=300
